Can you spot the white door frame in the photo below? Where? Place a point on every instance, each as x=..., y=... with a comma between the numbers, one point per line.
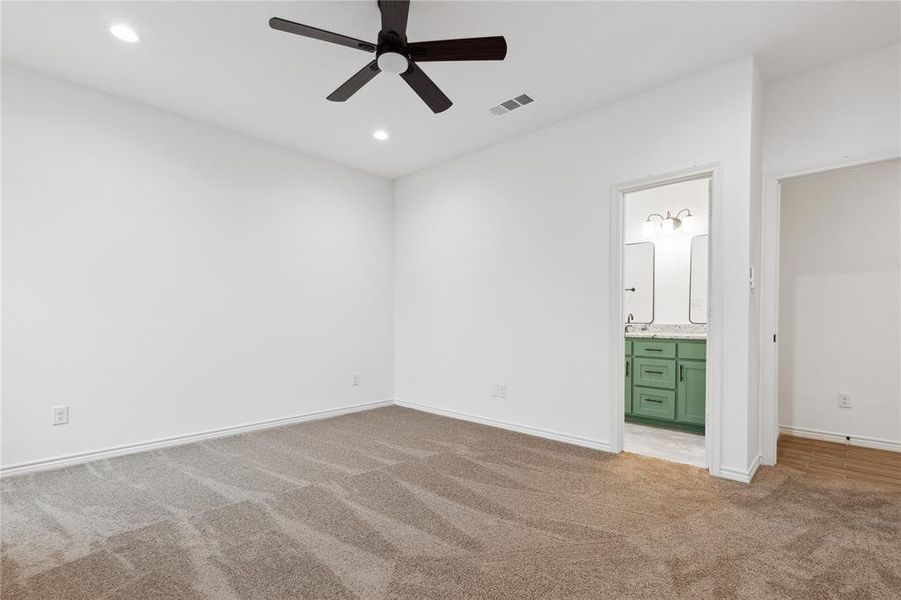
x=713, y=426
x=769, y=292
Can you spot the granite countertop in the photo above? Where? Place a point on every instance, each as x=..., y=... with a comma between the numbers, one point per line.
x=683, y=332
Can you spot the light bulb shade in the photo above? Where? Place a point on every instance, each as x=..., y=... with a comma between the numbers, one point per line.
x=648, y=228
x=392, y=62
x=688, y=223
x=669, y=225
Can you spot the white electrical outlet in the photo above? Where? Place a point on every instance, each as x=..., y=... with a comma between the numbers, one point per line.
x=356, y=379
x=844, y=400
x=60, y=415
x=498, y=390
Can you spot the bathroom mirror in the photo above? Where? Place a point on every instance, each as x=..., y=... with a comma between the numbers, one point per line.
x=638, y=277
x=697, y=286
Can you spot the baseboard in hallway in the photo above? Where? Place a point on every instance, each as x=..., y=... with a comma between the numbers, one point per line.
x=840, y=438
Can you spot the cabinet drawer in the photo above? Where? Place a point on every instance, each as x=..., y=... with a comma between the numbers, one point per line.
x=693, y=349
x=654, y=372
x=658, y=404
x=628, y=347
x=654, y=348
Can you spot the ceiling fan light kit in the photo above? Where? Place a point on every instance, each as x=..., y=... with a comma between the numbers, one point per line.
x=396, y=56
x=393, y=62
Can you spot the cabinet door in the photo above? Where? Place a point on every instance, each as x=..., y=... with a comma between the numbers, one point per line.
x=628, y=386
x=692, y=392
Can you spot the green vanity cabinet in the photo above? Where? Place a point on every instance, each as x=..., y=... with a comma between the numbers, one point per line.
x=666, y=382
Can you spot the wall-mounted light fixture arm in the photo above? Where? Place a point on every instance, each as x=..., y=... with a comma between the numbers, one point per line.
x=649, y=227
x=668, y=223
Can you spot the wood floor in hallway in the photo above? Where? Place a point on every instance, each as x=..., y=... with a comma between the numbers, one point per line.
x=840, y=461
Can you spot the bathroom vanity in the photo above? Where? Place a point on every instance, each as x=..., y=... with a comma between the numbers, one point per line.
x=665, y=313
x=666, y=378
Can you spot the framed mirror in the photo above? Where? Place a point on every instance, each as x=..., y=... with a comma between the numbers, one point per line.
x=697, y=280
x=638, y=277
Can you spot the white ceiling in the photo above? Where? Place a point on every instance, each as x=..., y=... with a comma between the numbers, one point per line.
x=219, y=62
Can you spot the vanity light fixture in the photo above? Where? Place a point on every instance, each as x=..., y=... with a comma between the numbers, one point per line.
x=669, y=223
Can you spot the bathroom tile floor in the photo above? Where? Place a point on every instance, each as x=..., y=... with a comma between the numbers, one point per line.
x=667, y=444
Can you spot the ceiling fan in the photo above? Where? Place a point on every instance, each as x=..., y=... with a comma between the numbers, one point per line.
x=395, y=55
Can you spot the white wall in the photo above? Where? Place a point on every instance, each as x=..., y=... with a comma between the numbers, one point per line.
x=850, y=108
x=502, y=259
x=839, y=309
x=672, y=261
x=164, y=277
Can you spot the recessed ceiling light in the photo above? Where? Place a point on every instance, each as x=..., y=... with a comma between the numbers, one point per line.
x=380, y=134
x=124, y=33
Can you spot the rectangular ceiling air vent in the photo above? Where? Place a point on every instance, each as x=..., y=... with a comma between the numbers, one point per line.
x=511, y=104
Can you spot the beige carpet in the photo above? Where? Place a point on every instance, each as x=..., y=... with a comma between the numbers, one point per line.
x=394, y=503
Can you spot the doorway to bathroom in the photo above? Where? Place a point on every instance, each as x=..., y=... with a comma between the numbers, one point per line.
x=665, y=236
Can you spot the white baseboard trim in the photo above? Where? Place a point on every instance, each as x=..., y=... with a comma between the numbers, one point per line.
x=740, y=475
x=528, y=430
x=840, y=438
x=83, y=457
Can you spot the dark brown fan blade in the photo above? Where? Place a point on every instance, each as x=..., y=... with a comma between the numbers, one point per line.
x=485, y=48
x=394, y=16
x=426, y=89
x=353, y=85
x=320, y=34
